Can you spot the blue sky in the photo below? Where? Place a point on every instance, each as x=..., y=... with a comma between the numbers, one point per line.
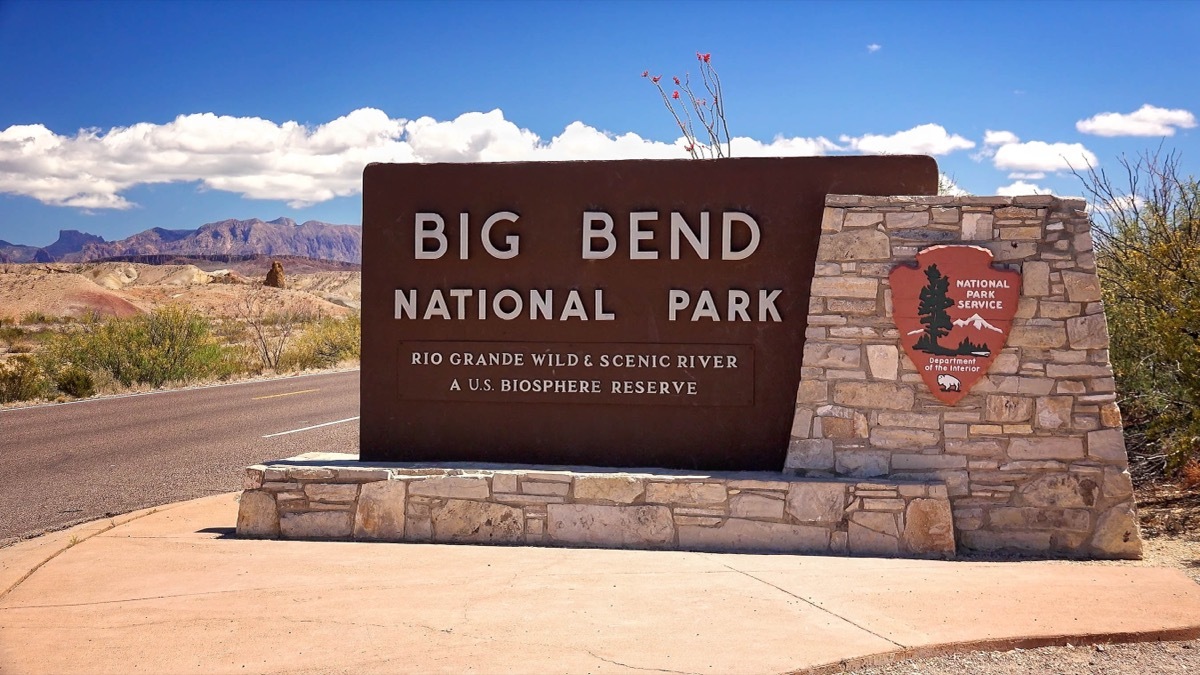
x=116, y=117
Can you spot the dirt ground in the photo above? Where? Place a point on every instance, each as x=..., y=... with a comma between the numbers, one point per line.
x=1170, y=521
x=76, y=291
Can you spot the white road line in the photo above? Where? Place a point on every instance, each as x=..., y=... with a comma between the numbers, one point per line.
x=293, y=393
x=315, y=426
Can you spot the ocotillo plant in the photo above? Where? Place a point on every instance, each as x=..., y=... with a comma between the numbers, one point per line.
x=689, y=110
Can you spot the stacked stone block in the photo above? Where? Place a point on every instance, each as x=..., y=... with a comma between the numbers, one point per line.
x=1033, y=457
x=708, y=512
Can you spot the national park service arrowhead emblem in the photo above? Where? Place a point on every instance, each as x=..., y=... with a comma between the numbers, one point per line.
x=954, y=312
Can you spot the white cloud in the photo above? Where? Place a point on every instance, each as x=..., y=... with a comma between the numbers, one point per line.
x=254, y=157
x=999, y=137
x=993, y=140
x=304, y=165
x=873, y=47
x=947, y=187
x=579, y=141
x=1147, y=120
x=1039, y=156
x=1026, y=175
x=261, y=159
x=925, y=139
x=1022, y=188
x=783, y=147
x=1127, y=205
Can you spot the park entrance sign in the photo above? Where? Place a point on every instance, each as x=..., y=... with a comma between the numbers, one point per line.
x=625, y=313
x=910, y=374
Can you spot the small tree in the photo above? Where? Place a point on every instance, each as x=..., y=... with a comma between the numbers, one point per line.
x=689, y=110
x=270, y=329
x=935, y=300
x=1147, y=245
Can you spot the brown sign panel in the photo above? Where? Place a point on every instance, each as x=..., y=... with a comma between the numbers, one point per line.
x=954, y=312
x=625, y=313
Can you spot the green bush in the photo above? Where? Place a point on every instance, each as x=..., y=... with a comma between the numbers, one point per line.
x=16, y=339
x=1147, y=245
x=75, y=381
x=237, y=360
x=171, y=344
x=31, y=318
x=324, y=344
x=22, y=380
x=12, y=334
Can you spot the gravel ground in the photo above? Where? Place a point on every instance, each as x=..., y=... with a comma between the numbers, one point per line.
x=1168, y=515
x=1128, y=659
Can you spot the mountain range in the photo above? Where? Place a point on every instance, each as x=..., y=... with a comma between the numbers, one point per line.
x=974, y=321
x=279, y=237
x=977, y=322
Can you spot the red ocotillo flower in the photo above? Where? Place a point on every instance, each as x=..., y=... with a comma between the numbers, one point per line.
x=645, y=73
x=676, y=81
x=675, y=94
x=656, y=78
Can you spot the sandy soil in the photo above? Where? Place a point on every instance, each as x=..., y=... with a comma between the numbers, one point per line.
x=125, y=289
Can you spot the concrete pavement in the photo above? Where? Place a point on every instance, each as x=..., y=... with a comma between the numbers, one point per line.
x=169, y=590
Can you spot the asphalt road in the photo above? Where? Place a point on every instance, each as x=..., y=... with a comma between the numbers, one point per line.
x=67, y=463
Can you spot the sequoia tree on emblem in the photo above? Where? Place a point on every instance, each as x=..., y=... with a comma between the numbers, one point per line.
x=954, y=312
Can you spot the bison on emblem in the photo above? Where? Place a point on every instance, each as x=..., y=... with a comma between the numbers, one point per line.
x=948, y=383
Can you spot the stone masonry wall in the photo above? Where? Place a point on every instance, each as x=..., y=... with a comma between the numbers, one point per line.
x=1033, y=457
x=335, y=497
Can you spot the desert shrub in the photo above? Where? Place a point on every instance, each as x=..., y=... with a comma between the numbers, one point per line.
x=14, y=339
x=231, y=331
x=22, y=380
x=171, y=344
x=325, y=343
x=237, y=359
x=1147, y=243
x=75, y=381
x=31, y=318
x=1190, y=474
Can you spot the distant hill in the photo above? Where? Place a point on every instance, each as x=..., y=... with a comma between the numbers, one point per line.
x=279, y=237
x=249, y=265
x=69, y=241
x=16, y=253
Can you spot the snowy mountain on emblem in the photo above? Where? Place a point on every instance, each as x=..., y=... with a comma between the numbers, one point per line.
x=977, y=322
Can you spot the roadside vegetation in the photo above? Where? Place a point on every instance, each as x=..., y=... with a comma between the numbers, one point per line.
x=52, y=359
x=1147, y=243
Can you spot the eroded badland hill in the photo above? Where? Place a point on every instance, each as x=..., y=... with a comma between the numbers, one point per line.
x=122, y=289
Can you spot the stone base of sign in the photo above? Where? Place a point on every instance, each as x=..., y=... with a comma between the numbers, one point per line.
x=1033, y=456
x=331, y=496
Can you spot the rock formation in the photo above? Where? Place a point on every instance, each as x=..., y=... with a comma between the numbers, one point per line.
x=275, y=278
